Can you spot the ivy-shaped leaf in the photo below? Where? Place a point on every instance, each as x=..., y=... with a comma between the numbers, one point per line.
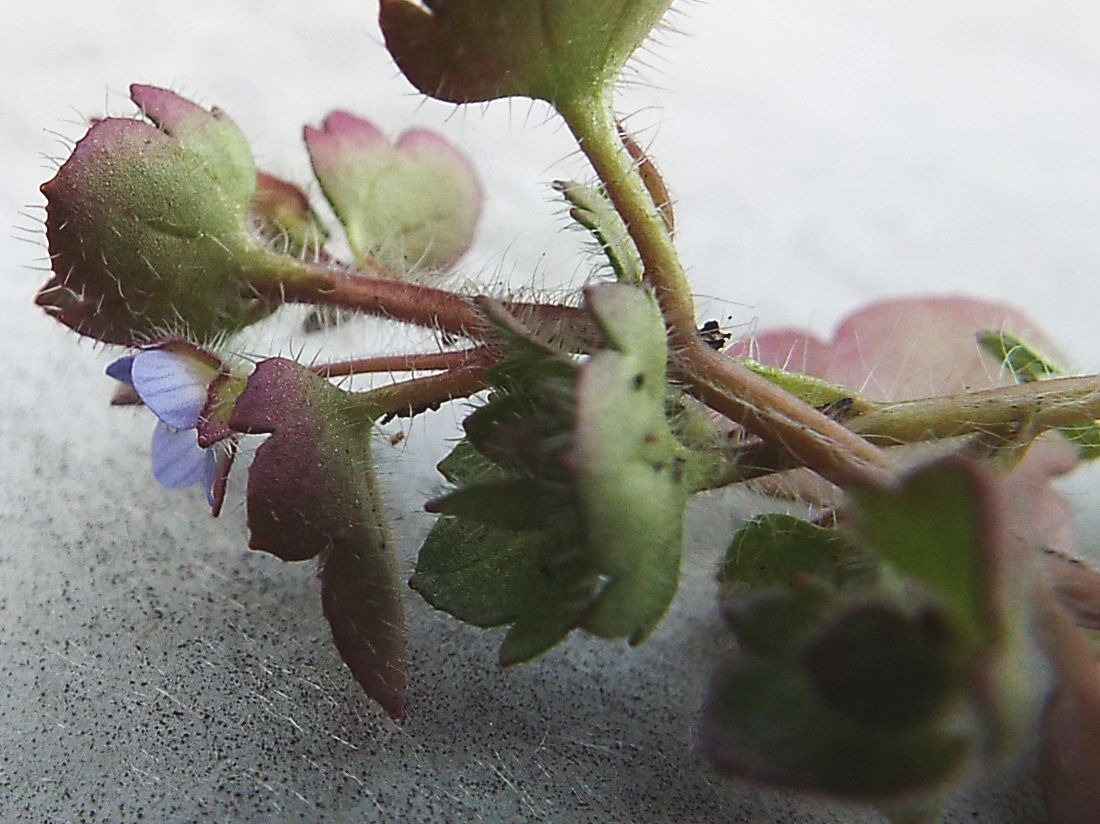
x=148, y=225
x=312, y=493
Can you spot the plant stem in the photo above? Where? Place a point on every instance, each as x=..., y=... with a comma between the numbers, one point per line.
x=407, y=398
x=1003, y=412
x=592, y=123
x=402, y=363
x=388, y=297
x=770, y=412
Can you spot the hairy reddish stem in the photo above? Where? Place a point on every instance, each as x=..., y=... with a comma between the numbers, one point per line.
x=399, y=300
x=404, y=363
x=406, y=398
x=770, y=412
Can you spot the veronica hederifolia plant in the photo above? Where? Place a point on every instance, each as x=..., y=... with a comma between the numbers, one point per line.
x=918, y=632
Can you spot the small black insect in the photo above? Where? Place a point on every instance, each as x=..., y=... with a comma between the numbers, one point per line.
x=713, y=336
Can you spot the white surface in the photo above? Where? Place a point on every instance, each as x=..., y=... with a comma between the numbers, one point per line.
x=823, y=154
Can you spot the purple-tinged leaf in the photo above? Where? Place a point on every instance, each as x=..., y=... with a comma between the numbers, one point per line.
x=312, y=492
x=908, y=348
x=465, y=51
x=147, y=225
x=368, y=627
x=902, y=349
x=413, y=205
x=1070, y=754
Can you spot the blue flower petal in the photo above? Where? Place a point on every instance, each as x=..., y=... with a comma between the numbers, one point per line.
x=121, y=370
x=210, y=475
x=178, y=460
x=172, y=386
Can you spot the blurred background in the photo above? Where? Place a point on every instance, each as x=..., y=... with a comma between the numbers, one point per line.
x=821, y=154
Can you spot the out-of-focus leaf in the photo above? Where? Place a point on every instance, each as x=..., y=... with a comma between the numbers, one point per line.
x=413, y=205
x=780, y=550
x=884, y=691
x=312, y=492
x=285, y=218
x=767, y=721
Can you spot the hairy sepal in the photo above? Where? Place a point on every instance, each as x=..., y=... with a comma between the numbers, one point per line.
x=589, y=445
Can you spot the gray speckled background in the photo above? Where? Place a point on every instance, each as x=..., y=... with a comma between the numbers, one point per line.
x=823, y=154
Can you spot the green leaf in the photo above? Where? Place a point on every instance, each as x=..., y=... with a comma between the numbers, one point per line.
x=1027, y=364
x=571, y=489
x=593, y=210
x=464, y=51
x=630, y=472
x=778, y=550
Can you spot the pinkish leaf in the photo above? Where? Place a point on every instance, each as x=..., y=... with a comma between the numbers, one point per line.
x=901, y=349
x=413, y=205
x=908, y=348
x=312, y=493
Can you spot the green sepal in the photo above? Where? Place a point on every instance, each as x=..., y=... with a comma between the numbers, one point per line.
x=568, y=448
x=592, y=209
x=832, y=398
x=519, y=504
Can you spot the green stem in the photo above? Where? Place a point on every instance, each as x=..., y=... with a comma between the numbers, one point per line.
x=1005, y=412
x=592, y=123
x=810, y=437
